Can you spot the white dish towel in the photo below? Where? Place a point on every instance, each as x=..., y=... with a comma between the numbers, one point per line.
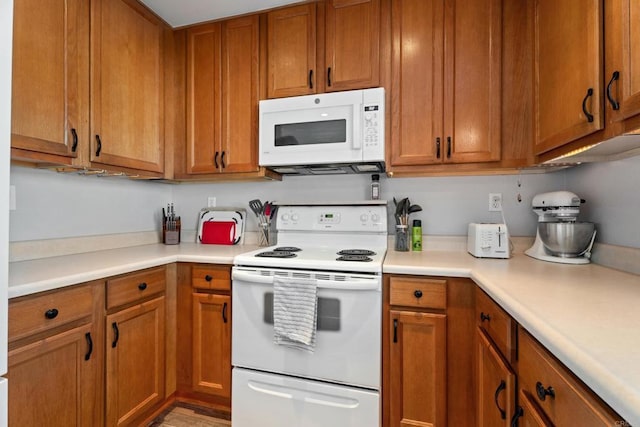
x=295, y=312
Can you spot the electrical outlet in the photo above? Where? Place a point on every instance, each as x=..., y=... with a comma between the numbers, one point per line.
x=211, y=202
x=495, y=202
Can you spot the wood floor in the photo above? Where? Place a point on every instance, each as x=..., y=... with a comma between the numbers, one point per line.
x=184, y=415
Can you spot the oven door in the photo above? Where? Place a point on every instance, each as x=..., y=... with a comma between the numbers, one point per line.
x=348, y=328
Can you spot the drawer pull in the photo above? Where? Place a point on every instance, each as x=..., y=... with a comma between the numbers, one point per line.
x=208, y=278
x=544, y=392
x=51, y=313
x=116, y=334
x=224, y=312
x=519, y=413
x=417, y=293
x=395, y=330
x=500, y=388
x=87, y=336
x=484, y=317
x=142, y=286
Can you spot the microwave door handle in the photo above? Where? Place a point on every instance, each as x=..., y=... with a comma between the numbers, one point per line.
x=357, y=129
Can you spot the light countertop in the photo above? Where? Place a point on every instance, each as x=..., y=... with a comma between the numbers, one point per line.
x=588, y=316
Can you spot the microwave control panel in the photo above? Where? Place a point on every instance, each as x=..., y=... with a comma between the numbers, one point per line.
x=371, y=124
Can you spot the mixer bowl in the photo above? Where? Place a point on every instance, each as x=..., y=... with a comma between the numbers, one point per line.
x=566, y=239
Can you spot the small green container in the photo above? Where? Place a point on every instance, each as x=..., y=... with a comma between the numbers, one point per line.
x=416, y=235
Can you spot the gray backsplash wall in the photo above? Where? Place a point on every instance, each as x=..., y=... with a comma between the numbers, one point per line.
x=51, y=205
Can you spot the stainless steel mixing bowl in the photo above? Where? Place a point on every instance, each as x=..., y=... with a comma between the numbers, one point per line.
x=566, y=239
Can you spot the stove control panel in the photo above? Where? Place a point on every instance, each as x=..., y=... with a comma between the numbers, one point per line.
x=333, y=218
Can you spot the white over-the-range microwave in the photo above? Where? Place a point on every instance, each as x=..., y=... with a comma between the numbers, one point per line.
x=329, y=133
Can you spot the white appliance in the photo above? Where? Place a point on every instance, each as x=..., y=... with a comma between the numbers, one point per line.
x=6, y=37
x=562, y=207
x=329, y=133
x=337, y=384
x=488, y=240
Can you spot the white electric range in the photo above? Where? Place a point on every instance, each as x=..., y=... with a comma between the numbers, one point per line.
x=338, y=247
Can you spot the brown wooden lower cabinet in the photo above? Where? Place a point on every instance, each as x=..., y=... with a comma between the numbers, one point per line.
x=135, y=346
x=135, y=356
x=211, y=344
x=418, y=362
x=204, y=335
x=496, y=385
x=55, y=358
x=559, y=395
x=428, y=351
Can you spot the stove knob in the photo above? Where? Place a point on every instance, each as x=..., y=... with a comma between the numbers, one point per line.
x=364, y=217
x=285, y=217
x=375, y=217
x=294, y=217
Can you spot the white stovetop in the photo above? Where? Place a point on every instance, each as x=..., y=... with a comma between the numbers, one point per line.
x=588, y=316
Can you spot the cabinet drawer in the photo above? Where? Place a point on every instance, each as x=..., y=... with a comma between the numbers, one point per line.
x=564, y=399
x=211, y=277
x=418, y=292
x=34, y=314
x=136, y=286
x=500, y=327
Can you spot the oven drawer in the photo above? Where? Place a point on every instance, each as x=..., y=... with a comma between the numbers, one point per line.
x=269, y=400
x=418, y=292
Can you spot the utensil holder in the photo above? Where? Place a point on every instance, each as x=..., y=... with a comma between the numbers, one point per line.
x=264, y=234
x=402, y=239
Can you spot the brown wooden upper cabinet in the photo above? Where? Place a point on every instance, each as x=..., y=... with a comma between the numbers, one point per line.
x=568, y=101
x=127, y=91
x=88, y=85
x=622, y=26
x=446, y=82
x=49, y=102
x=222, y=96
x=320, y=47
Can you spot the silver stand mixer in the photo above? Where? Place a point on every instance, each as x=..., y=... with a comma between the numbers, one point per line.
x=560, y=237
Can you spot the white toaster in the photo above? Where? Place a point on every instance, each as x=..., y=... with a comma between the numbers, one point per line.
x=488, y=240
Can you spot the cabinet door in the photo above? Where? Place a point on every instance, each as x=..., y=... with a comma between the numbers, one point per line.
x=135, y=361
x=528, y=414
x=352, y=44
x=417, y=73
x=203, y=98
x=472, y=64
x=291, y=51
x=55, y=380
x=212, y=344
x=418, y=366
x=50, y=81
x=127, y=91
x=568, y=71
x=239, y=150
x=496, y=385
x=623, y=43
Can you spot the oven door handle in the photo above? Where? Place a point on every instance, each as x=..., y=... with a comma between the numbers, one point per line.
x=365, y=285
x=308, y=396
